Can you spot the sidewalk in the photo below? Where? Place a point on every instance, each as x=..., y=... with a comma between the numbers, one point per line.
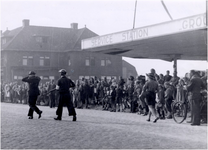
x=94, y=129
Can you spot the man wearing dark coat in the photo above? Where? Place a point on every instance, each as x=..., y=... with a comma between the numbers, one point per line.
x=195, y=86
x=63, y=86
x=33, y=93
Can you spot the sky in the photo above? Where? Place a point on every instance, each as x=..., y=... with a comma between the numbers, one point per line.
x=105, y=17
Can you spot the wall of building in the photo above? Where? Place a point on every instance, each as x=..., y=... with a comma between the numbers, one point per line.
x=15, y=70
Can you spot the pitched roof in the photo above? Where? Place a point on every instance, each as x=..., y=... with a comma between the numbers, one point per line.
x=34, y=38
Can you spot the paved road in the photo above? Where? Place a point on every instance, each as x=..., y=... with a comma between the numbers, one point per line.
x=94, y=129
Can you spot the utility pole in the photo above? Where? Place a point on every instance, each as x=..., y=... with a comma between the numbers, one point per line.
x=134, y=14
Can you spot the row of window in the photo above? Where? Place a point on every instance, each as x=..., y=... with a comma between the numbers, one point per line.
x=102, y=77
x=90, y=61
x=80, y=77
x=45, y=61
x=28, y=61
x=42, y=77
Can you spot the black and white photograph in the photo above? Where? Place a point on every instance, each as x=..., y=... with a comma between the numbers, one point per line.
x=103, y=74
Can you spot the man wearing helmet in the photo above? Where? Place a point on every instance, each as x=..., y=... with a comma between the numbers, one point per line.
x=63, y=86
x=33, y=93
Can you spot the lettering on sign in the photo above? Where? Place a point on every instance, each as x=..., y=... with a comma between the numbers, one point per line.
x=98, y=41
x=176, y=26
x=193, y=23
x=134, y=34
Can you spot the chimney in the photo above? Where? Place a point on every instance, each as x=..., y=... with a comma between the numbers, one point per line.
x=74, y=25
x=25, y=23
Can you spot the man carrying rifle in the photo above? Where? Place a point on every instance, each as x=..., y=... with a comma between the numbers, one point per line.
x=63, y=86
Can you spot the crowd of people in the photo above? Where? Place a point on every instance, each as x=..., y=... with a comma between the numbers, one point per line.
x=150, y=94
x=17, y=92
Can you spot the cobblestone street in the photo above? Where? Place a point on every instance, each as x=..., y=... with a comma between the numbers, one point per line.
x=94, y=129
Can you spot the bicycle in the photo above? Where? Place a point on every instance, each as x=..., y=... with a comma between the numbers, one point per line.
x=181, y=109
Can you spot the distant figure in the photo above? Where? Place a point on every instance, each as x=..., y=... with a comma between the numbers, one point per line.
x=52, y=95
x=63, y=86
x=33, y=82
x=167, y=77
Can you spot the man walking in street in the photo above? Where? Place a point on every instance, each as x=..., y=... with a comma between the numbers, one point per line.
x=33, y=93
x=63, y=86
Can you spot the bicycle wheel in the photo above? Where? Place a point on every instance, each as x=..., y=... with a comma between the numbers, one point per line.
x=179, y=112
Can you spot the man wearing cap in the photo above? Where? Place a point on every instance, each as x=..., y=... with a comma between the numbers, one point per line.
x=63, y=86
x=195, y=86
x=33, y=93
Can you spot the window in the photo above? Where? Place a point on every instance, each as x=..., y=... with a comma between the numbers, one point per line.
x=51, y=77
x=39, y=39
x=102, y=62
x=45, y=61
x=45, y=77
x=27, y=60
x=87, y=61
x=92, y=61
x=44, y=39
x=108, y=62
x=30, y=60
x=69, y=62
x=18, y=77
x=41, y=61
x=105, y=62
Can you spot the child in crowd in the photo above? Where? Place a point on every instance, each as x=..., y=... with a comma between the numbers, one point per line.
x=119, y=96
x=161, y=102
x=106, y=99
x=113, y=98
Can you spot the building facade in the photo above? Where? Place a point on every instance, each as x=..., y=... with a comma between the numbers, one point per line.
x=46, y=50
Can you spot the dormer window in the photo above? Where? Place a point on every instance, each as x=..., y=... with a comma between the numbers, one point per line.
x=41, y=39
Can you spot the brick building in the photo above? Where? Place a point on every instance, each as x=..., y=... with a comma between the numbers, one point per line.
x=45, y=50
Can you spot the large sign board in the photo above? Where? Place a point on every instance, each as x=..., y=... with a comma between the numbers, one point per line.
x=172, y=27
